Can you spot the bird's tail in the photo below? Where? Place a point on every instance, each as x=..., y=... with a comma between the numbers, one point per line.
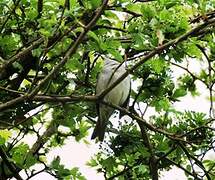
x=99, y=130
x=104, y=114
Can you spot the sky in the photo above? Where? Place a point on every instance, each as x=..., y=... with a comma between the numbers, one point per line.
x=75, y=155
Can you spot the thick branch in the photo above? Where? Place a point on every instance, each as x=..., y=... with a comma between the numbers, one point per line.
x=52, y=129
x=152, y=160
x=64, y=99
x=109, y=27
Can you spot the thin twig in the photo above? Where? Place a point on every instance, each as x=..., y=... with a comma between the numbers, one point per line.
x=197, y=162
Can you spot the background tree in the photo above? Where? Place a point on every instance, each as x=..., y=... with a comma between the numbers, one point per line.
x=50, y=54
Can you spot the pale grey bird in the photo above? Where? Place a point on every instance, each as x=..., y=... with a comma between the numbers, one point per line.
x=119, y=95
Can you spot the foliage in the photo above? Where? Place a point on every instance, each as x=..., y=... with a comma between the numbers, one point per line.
x=50, y=55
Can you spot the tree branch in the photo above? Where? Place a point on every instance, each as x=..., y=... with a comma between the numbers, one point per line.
x=9, y=164
x=153, y=166
x=64, y=99
x=52, y=129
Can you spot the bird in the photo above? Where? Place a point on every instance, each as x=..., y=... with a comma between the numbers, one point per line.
x=119, y=95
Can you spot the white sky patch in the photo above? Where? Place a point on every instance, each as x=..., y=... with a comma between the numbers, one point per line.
x=197, y=103
x=173, y=174
x=74, y=154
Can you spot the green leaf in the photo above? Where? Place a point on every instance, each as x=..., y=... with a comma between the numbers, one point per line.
x=142, y=169
x=189, y=168
x=95, y=3
x=30, y=161
x=193, y=50
x=76, y=174
x=73, y=4
x=94, y=36
x=163, y=146
x=148, y=11
x=144, y=151
x=19, y=154
x=109, y=163
x=5, y=134
x=92, y=162
x=60, y=170
x=56, y=162
x=83, y=130
x=32, y=13
x=180, y=92
x=162, y=104
x=45, y=32
x=74, y=63
x=134, y=7
x=116, y=54
x=157, y=64
x=139, y=41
